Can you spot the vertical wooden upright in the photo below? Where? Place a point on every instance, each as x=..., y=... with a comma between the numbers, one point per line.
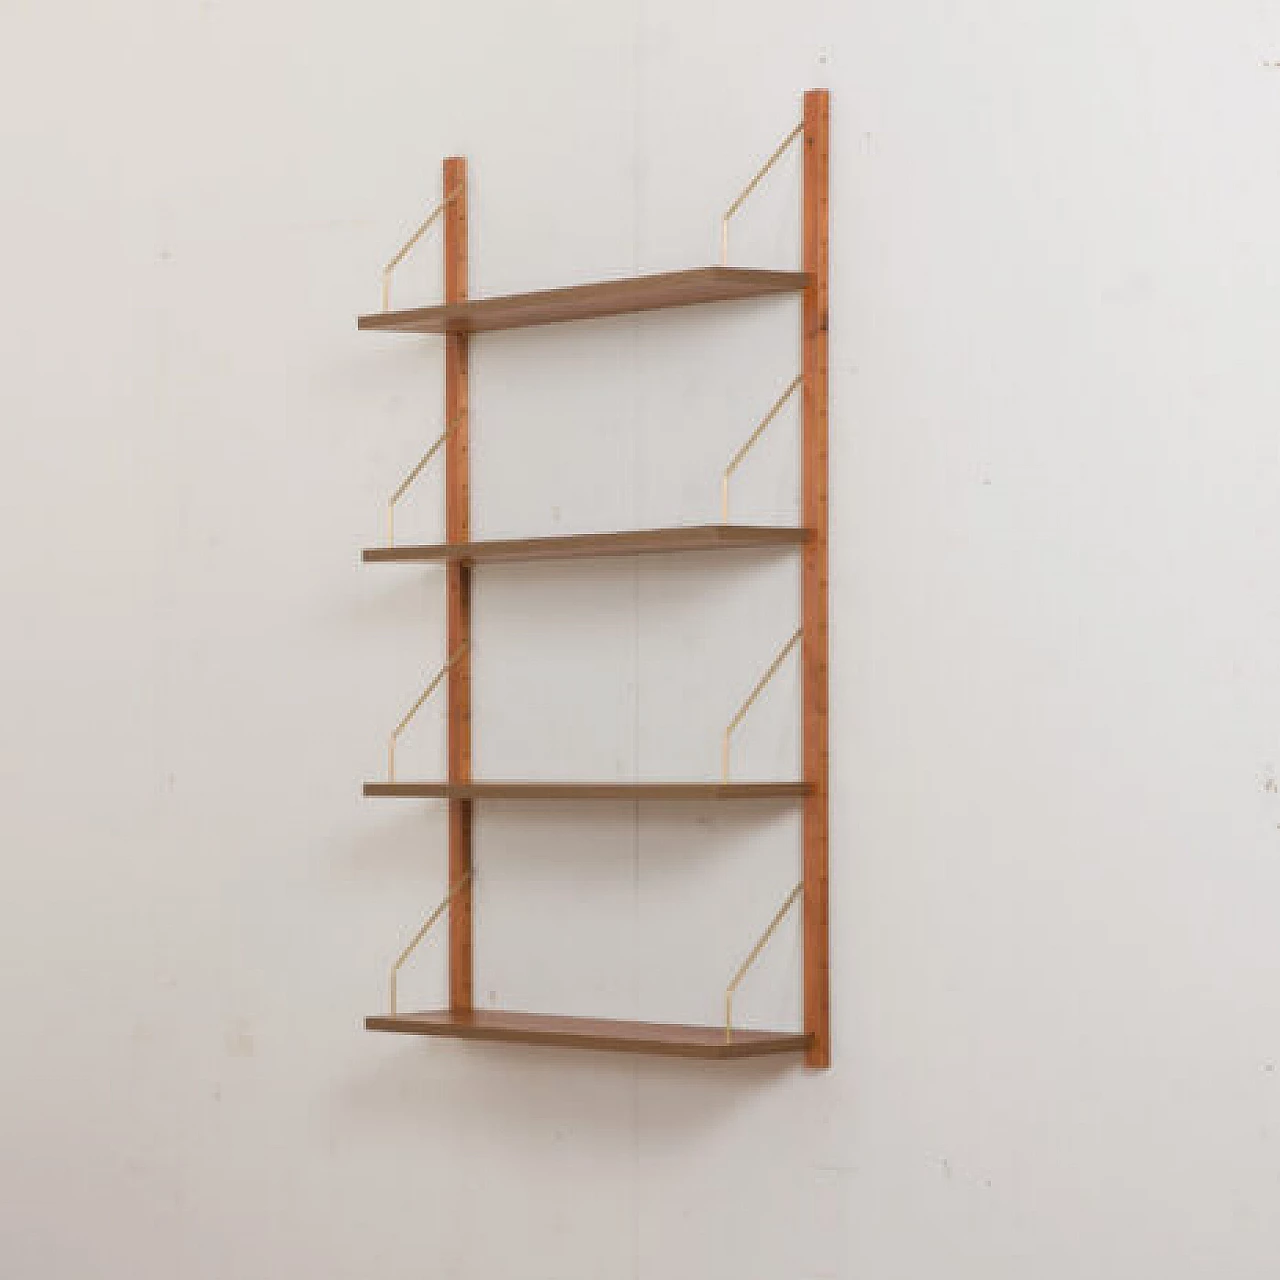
x=458, y=583
x=813, y=590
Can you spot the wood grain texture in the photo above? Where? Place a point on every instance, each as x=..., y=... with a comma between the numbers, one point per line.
x=589, y=301
x=711, y=537
x=457, y=466
x=506, y=790
x=815, y=855
x=673, y=1040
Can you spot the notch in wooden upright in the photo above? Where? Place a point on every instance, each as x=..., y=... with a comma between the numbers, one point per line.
x=458, y=587
x=813, y=589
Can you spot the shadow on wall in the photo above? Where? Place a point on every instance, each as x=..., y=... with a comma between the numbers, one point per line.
x=449, y=1091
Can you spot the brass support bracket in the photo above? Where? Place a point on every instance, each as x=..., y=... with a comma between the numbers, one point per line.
x=454, y=889
x=413, y=475
x=754, y=954
x=417, y=706
x=751, y=697
x=750, y=444
x=749, y=188
x=406, y=248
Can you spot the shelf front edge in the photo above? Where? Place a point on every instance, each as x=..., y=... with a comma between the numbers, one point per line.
x=587, y=790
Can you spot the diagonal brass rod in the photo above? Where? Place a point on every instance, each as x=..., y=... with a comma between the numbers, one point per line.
x=413, y=475
x=417, y=706
x=422, y=933
x=405, y=248
x=750, y=444
x=749, y=188
x=761, y=942
x=751, y=697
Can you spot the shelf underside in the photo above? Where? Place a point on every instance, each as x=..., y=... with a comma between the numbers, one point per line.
x=589, y=301
x=673, y=1040
x=707, y=537
x=588, y=790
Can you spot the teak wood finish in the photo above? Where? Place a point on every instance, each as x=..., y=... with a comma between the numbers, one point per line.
x=572, y=546
x=668, y=1039
x=814, y=429
x=457, y=469
x=590, y=301
x=457, y=319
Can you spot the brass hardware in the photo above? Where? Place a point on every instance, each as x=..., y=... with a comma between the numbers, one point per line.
x=751, y=440
x=409, y=243
x=422, y=933
x=751, y=959
x=412, y=476
x=749, y=188
x=413, y=710
x=755, y=693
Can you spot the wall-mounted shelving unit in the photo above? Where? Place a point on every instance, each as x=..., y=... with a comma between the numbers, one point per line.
x=457, y=320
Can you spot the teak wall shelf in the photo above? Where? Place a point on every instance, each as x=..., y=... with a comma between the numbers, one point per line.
x=669, y=1039
x=573, y=546
x=457, y=319
x=589, y=790
x=591, y=301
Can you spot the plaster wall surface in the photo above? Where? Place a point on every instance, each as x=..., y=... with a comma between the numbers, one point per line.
x=1055, y=642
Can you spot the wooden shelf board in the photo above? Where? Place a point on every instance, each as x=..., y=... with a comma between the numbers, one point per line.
x=589, y=301
x=668, y=1039
x=588, y=790
x=707, y=537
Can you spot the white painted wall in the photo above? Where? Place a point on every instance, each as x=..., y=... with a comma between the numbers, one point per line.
x=1056, y=668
